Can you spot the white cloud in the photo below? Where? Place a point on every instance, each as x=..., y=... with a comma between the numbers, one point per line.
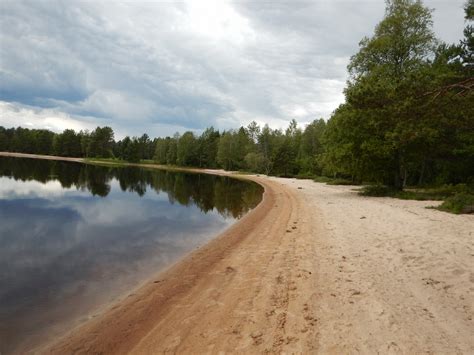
x=14, y=115
x=159, y=66
x=11, y=189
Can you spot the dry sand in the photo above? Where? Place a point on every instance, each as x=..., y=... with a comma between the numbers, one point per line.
x=313, y=269
x=391, y=275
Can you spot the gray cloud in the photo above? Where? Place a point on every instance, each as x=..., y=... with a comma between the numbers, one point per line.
x=164, y=66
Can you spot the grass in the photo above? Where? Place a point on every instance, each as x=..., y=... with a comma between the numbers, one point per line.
x=340, y=182
x=115, y=161
x=323, y=179
x=142, y=163
x=438, y=193
x=333, y=181
x=106, y=161
x=459, y=203
x=457, y=198
x=305, y=176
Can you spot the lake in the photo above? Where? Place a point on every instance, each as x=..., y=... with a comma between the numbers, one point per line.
x=75, y=237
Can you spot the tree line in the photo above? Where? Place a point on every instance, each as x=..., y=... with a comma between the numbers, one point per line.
x=99, y=143
x=407, y=119
x=251, y=148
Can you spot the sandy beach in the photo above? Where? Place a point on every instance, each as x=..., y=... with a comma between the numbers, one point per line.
x=312, y=269
x=316, y=269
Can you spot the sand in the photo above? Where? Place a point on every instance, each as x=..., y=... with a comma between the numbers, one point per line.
x=392, y=276
x=312, y=269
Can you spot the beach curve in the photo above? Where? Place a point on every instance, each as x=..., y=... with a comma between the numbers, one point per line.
x=223, y=296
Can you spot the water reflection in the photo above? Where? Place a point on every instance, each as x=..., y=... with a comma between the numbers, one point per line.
x=208, y=192
x=75, y=236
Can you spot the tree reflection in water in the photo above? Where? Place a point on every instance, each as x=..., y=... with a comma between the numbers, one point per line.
x=230, y=197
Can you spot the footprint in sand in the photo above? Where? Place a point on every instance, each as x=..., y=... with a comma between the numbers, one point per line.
x=257, y=337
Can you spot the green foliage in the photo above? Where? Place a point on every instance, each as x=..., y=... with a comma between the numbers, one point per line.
x=322, y=179
x=67, y=144
x=207, y=148
x=459, y=203
x=311, y=148
x=377, y=191
x=381, y=116
x=401, y=123
x=131, y=150
x=186, y=154
x=100, y=143
x=469, y=10
x=340, y=182
x=227, y=152
x=333, y=181
x=438, y=193
x=255, y=162
x=161, y=150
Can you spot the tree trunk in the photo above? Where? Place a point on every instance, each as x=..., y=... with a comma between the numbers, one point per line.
x=422, y=172
x=397, y=178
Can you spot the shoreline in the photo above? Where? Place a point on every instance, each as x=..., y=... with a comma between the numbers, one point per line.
x=127, y=325
x=107, y=308
x=38, y=156
x=121, y=164
x=312, y=269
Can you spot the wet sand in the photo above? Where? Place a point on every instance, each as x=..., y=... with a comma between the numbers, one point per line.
x=312, y=269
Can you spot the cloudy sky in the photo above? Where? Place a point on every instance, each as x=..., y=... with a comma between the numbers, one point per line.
x=166, y=66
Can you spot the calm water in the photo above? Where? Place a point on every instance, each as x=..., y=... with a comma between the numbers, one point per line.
x=74, y=237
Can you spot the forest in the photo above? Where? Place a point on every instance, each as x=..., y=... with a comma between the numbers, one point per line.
x=407, y=119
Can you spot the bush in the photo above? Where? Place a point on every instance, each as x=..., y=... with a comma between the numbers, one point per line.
x=426, y=194
x=434, y=193
x=459, y=203
x=324, y=179
x=333, y=181
x=457, y=199
x=377, y=191
x=340, y=182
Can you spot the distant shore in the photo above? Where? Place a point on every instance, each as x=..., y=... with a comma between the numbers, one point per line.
x=312, y=269
x=38, y=156
x=118, y=163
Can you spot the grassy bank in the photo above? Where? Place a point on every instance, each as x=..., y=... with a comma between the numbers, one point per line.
x=116, y=161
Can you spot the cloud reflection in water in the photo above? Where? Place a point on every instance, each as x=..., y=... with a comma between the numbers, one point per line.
x=64, y=251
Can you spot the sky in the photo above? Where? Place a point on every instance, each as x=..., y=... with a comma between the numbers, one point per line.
x=170, y=66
